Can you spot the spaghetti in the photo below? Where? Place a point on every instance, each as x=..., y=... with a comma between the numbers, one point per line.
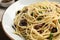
x=38, y=21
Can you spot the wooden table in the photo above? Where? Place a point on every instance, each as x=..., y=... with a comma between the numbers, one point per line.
x=3, y=36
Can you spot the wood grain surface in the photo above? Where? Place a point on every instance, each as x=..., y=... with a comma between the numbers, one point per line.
x=3, y=36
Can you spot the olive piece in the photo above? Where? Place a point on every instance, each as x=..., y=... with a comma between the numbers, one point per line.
x=14, y=25
x=32, y=14
x=38, y=26
x=41, y=31
x=23, y=22
x=54, y=29
x=18, y=12
x=57, y=6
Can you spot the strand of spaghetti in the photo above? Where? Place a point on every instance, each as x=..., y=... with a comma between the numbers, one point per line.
x=38, y=34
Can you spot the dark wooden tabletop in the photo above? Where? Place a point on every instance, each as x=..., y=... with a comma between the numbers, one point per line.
x=3, y=36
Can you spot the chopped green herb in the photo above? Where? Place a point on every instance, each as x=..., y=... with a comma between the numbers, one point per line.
x=32, y=14
x=44, y=8
x=39, y=18
x=51, y=36
x=40, y=12
x=59, y=20
x=13, y=27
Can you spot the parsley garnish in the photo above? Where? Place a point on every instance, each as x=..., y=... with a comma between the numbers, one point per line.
x=51, y=36
x=59, y=20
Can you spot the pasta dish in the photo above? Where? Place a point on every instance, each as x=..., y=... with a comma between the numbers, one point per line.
x=39, y=21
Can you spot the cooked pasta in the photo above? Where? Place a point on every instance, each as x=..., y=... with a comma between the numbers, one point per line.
x=39, y=21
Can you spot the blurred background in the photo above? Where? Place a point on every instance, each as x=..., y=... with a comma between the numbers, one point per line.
x=4, y=4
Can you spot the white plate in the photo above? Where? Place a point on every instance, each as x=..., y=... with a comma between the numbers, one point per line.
x=9, y=15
